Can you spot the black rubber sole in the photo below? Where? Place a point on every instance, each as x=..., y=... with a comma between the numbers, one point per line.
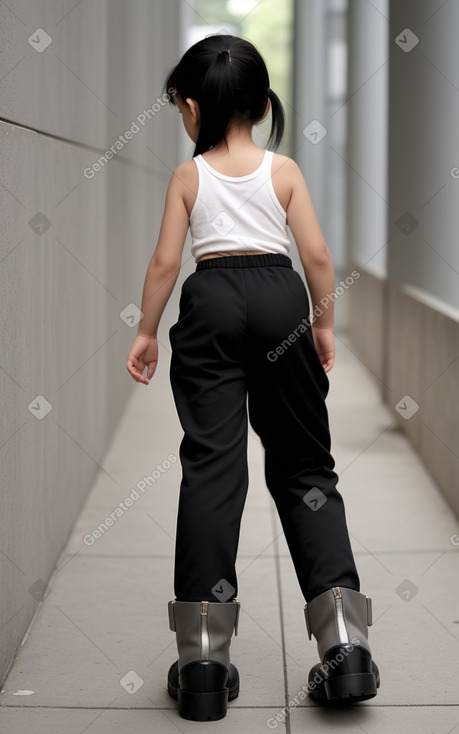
x=355, y=678
x=203, y=689
x=202, y=706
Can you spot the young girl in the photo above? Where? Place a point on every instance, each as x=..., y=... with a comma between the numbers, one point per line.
x=244, y=331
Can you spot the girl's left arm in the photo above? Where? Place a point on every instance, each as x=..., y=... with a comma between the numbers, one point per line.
x=160, y=279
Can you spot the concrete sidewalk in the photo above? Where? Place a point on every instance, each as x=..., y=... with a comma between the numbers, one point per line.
x=96, y=657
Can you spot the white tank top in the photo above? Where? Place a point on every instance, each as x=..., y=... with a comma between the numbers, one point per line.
x=237, y=212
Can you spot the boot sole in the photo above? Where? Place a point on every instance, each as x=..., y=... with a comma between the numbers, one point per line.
x=345, y=690
x=196, y=704
x=348, y=684
x=350, y=689
x=202, y=706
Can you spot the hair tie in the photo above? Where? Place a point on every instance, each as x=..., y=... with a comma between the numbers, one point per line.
x=226, y=51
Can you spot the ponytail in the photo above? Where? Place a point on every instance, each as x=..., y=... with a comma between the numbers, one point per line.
x=277, y=119
x=229, y=80
x=216, y=103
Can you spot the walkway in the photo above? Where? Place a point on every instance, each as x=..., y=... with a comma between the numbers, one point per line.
x=97, y=654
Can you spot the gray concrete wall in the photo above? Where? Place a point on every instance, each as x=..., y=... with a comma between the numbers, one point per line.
x=403, y=218
x=422, y=341
x=423, y=161
x=422, y=379
x=74, y=251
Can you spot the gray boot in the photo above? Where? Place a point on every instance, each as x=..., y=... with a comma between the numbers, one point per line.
x=203, y=679
x=338, y=619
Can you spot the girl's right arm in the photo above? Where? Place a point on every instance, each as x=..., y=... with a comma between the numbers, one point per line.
x=161, y=276
x=315, y=259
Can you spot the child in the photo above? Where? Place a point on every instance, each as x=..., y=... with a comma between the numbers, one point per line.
x=244, y=330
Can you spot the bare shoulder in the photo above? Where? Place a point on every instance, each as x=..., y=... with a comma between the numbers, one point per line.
x=284, y=162
x=186, y=173
x=285, y=174
x=186, y=180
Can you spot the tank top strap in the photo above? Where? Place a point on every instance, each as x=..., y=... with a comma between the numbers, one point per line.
x=267, y=163
x=198, y=161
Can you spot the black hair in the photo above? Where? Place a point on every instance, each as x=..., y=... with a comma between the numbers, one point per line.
x=228, y=78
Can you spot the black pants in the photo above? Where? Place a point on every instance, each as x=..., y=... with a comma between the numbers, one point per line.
x=241, y=333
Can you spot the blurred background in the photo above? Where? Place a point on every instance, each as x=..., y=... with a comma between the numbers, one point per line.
x=370, y=91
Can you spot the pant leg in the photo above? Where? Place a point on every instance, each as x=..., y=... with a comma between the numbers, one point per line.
x=287, y=409
x=210, y=392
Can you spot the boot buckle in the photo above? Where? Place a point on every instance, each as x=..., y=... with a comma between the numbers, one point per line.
x=308, y=624
x=369, y=611
x=238, y=611
x=170, y=608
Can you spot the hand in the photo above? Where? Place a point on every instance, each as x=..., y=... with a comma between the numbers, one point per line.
x=325, y=345
x=143, y=352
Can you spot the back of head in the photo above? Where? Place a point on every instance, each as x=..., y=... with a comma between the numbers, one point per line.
x=228, y=78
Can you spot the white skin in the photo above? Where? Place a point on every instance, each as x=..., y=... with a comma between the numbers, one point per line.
x=240, y=157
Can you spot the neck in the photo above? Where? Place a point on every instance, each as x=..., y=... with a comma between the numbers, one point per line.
x=237, y=137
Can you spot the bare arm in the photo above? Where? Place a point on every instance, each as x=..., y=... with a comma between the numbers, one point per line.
x=161, y=276
x=316, y=260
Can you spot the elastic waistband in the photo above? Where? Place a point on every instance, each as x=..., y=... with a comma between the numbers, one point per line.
x=245, y=261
